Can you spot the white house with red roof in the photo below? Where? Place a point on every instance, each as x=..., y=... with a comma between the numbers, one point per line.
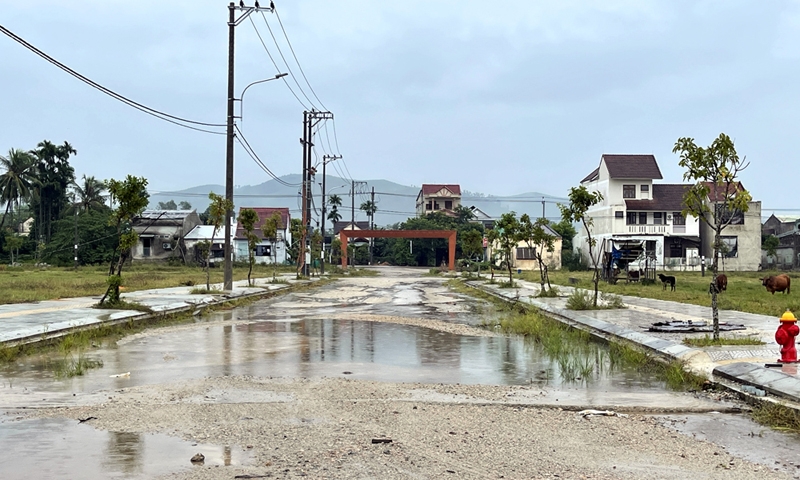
x=438, y=197
x=267, y=250
x=642, y=218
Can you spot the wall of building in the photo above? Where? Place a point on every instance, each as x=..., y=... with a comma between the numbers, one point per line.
x=551, y=259
x=748, y=257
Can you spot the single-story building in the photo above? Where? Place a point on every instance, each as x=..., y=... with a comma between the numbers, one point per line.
x=267, y=250
x=161, y=233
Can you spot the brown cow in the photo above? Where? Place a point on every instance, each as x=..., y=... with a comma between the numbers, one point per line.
x=721, y=285
x=777, y=283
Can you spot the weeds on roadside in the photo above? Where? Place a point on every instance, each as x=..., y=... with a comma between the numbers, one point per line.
x=552, y=292
x=707, y=341
x=777, y=416
x=71, y=366
x=205, y=291
x=124, y=305
x=584, y=300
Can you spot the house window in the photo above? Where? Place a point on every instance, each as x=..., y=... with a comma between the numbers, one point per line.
x=145, y=247
x=650, y=247
x=526, y=253
x=645, y=189
x=428, y=206
x=436, y=205
x=730, y=216
x=629, y=191
x=263, y=250
x=448, y=204
x=657, y=219
x=676, y=249
x=631, y=218
x=643, y=218
x=678, y=218
x=619, y=214
x=729, y=247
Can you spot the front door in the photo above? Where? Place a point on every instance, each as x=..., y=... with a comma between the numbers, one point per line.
x=146, y=245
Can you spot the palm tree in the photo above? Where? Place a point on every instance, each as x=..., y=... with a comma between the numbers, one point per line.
x=370, y=208
x=336, y=202
x=16, y=184
x=90, y=194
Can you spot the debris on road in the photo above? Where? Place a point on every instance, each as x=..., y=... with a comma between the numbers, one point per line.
x=680, y=326
x=603, y=413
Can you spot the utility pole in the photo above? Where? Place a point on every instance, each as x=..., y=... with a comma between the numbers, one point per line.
x=325, y=160
x=353, y=214
x=543, y=208
x=76, y=238
x=371, y=223
x=310, y=120
x=232, y=23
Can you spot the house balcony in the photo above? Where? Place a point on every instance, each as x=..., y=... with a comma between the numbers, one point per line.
x=655, y=229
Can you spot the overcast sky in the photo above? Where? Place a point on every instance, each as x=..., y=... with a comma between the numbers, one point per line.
x=502, y=97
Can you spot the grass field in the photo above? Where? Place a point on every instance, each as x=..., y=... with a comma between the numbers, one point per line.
x=31, y=284
x=745, y=292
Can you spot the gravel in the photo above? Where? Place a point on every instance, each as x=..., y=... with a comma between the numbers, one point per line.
x=324, y=428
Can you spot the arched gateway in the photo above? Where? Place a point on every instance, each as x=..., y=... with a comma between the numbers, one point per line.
x=450, y=235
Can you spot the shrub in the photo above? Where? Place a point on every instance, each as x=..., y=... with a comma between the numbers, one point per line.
x=612, y=301
x=580, y=300
x=553, y=292
x=572, y=261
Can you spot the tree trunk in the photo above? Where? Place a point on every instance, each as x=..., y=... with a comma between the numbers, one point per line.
x=541, y=271
x=714, y=263
x=8, y=205
x=208, y=262
x=510, y=275
x=250, y=270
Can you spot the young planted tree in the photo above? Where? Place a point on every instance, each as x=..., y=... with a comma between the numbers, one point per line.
x=770, y=245
x=505, y=236
x=270, y=231
x=717, y=197
x=580, y=201
x=131, y=199
x=538, y=238
x=216, y=217
x=248, y=218
x=472, y=246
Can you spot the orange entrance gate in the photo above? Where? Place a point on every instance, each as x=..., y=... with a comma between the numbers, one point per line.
x=450, y=235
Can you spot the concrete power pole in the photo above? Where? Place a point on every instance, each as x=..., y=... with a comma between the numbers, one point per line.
x=371, y=223
x=325, y=160
x=310, y=120
x=232, y=23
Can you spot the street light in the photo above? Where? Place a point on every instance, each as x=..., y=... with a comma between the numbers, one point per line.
x=241, y=98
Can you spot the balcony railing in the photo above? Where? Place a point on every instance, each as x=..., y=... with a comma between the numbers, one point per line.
x=649, y=229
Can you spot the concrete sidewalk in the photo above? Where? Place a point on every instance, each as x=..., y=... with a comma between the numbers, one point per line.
x=23, y=323
x=743, y=365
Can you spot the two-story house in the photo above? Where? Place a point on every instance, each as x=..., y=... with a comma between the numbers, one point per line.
x=637, y=213
x=438, y=197
x=267, y=250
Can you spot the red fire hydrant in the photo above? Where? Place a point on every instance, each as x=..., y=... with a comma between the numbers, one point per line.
x=785, y=337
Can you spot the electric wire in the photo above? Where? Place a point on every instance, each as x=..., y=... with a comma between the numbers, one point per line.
x=277, y=15
x=263, y=44
x=250, y=151
x=121, y=98
x=280, y=52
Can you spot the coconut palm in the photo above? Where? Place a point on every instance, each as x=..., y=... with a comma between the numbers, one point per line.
x=16, y=184
x=335, y=200
x=89, y=195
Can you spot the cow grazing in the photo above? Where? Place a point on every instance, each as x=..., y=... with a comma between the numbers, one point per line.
x=667, y=280
x=722, y=282
x=777, y=283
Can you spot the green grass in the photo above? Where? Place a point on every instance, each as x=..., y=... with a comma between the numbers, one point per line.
x=71, y=366
x=32, y=284
x=204, y=291
x=123, y=305
x=584, y=300
x=707, y=341
x=745, y=292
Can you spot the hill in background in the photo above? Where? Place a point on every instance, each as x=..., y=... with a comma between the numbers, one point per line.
x=395, y=202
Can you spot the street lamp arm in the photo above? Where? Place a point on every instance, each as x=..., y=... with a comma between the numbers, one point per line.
x=241, y=98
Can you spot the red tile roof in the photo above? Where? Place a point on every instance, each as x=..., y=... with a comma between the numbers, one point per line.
x=431, y=188
x=263, y=214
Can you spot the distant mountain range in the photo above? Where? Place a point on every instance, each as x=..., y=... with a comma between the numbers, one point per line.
x=395, y=202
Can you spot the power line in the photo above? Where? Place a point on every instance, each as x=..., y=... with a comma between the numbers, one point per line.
x=143, y=108
x=275, y=63
x=285, y=62
x=243, y=141
x=277, y=15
